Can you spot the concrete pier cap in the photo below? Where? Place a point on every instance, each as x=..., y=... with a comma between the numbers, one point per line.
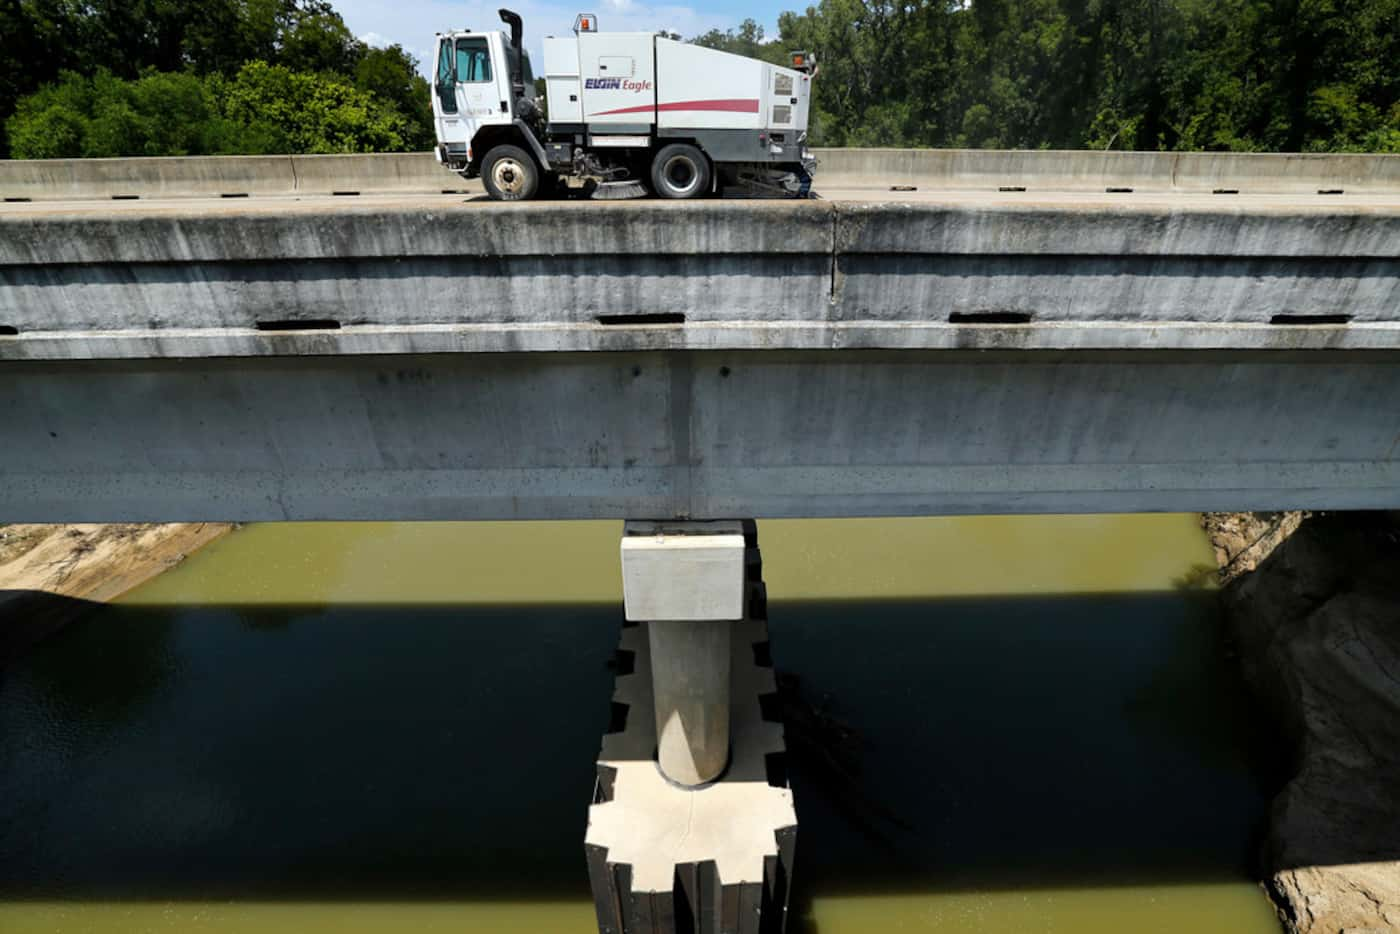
x=686, y=580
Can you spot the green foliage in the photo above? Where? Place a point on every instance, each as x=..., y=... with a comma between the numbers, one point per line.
x=1292, y=75
x=158, y=114
x=747, y=40
x=173, y=77
x=292, y=111
x=263, y=109
x=133, y=77
x=391, y=75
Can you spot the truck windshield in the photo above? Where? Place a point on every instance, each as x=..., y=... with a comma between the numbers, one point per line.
x=473, y=60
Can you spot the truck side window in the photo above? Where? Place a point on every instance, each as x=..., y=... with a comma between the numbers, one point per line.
x=473, y=60
x=446, y=91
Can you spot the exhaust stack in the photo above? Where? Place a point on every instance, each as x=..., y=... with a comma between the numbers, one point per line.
x=517, y=31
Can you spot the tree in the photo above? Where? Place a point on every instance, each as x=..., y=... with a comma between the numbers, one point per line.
x=313, y=37
x=747, y=41
x=391, y=75
x=263, y=109
x=1315, y=75
x=129, y=39
x=155, y=115
x=289, y=111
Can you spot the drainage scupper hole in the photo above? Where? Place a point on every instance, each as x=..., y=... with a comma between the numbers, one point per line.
x=989, y=317
x=308, y=324
x=1310, y=319
x=660, y=318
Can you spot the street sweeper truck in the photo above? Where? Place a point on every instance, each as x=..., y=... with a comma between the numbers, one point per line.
x=624, y=113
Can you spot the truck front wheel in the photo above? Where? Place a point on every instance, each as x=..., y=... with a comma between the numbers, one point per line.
x=680, y=171
x=509, y=174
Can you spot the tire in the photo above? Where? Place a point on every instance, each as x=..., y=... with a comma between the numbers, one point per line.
x=510, y=174
x=680, y=171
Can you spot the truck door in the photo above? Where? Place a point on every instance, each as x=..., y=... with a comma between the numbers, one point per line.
x=479, y=83
x=451, y=130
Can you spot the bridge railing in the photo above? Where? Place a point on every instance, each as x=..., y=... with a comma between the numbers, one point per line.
x=1083, y=170
x=954, y=169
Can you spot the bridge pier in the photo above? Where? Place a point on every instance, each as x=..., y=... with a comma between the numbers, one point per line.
x=686, y=581
x=692, y=826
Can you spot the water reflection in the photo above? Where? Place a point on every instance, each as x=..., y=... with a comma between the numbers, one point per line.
x=297, y=752
x=968, y=764
x=1028, y=741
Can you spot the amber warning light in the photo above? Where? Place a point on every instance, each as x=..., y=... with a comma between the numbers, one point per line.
x=803, y=61
x=585, y=22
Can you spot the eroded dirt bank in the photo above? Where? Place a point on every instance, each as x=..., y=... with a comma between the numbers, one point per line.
x=49, y=574
x=1313, y=605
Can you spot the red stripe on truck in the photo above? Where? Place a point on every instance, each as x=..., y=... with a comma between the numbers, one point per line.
x=728, y=105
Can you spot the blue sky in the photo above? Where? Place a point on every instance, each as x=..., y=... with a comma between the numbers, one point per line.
x=411, y=23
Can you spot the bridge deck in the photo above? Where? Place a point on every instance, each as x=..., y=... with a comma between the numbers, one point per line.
x=404, y=355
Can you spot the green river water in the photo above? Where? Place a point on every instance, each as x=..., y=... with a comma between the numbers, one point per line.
x=391, y=727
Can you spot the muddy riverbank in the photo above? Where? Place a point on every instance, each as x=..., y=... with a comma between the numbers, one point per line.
x=1313, y=607
x=50, y=574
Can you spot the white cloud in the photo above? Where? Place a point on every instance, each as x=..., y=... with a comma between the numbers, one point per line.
x=375, y=40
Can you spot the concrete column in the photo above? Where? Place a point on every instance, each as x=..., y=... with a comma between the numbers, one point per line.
x=690, y=688
x=685, y=580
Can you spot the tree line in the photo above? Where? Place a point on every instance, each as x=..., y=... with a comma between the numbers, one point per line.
x=175, y=77
x=1247, y=75
x=170, y=77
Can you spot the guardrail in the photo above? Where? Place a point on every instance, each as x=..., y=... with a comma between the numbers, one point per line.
x=954, y=169
x=223, y=176
x=1051, y=170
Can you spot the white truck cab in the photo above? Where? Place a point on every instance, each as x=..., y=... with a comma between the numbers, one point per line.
x=472, y=87
x=629, y=109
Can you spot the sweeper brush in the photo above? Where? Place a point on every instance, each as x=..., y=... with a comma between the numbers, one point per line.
x=618, y=191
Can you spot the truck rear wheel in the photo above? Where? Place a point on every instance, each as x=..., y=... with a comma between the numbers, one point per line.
x=509, y=174
x=680, y=171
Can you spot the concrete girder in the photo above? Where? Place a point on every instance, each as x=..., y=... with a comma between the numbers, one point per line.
x=696, y=435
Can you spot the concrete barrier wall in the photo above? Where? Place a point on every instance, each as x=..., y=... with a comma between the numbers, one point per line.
x=393, y=172
x=69, y=179
x=1097, y=171
x=230, y=176
x=82, y=179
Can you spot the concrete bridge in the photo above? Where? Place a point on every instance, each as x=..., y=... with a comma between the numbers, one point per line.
x=1007, y=332
x=1022, y=332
